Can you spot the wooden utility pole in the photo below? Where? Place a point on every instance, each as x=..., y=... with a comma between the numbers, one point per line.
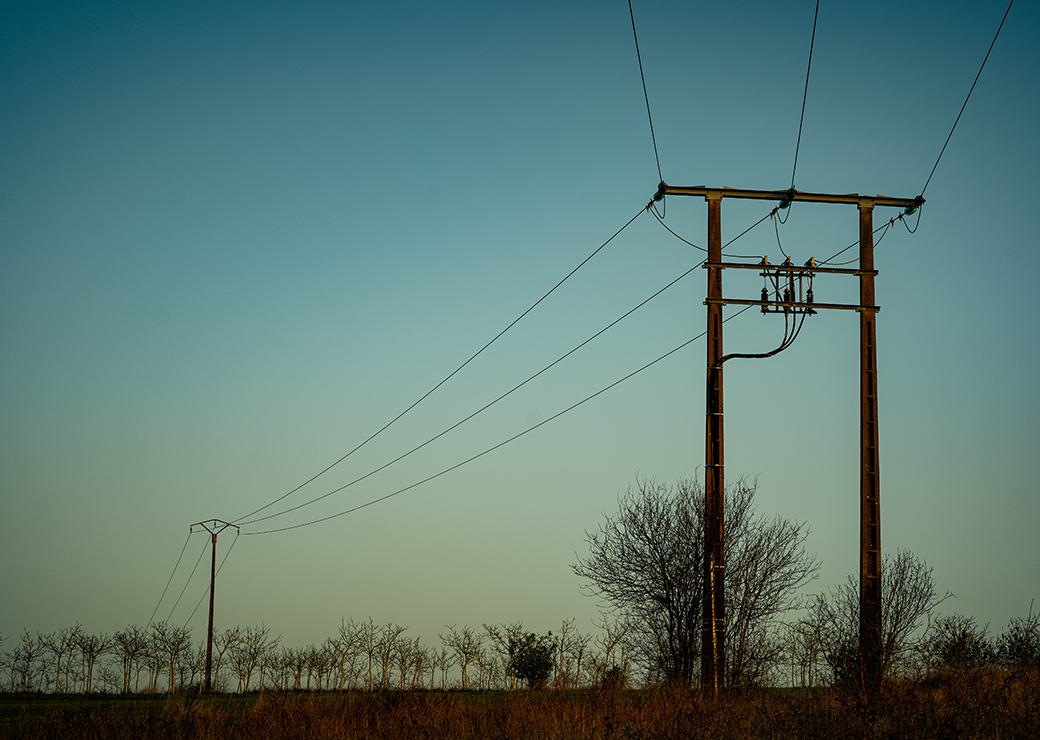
x=214, y=527
x=713, y=635
x=713, y=632
x=869, y=483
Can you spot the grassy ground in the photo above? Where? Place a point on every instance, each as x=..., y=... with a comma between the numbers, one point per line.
x=963, y=706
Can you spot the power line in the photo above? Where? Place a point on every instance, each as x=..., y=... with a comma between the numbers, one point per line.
x=805, y=93
x=497, y=446
x=449, y=376
x=842, y=251
x=776, y=228
x=646, y=97
x=181, y=595
x=519, y=385
x=170, y=579
x=486, y=406
x=219, y=568
x=686, y=241
x=967, y=97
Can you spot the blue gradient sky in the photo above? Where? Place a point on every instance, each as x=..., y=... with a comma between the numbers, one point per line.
x=235, y=240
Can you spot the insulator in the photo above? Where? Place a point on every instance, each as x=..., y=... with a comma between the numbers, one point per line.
x=808, y=296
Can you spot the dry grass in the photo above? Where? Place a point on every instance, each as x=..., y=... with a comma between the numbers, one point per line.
x=968, y=704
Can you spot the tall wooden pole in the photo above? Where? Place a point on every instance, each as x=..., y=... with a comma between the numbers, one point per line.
x=713, y=624
x=869, y=483
x=208, y=686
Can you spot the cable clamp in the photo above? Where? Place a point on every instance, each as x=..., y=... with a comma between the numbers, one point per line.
x=917, y=203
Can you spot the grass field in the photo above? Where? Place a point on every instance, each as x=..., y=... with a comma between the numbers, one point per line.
x=983, y=705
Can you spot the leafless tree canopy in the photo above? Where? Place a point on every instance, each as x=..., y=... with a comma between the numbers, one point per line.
x=908, y=598
x=645, y=561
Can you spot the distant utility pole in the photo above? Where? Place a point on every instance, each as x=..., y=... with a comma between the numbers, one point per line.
x=214, y=527
x=791, y=299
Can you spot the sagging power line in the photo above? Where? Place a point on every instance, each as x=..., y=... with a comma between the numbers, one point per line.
x=448, y=377
x=501, y=444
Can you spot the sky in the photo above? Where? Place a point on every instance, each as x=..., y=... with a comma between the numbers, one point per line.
x=238, y=238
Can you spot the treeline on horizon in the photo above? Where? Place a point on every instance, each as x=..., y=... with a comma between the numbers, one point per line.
x=643, y=563
x=363, y=655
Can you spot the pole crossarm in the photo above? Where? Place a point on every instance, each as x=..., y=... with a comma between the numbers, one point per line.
x=811, y=306
x=213, y=526
x=759, y=266
x=786, y=197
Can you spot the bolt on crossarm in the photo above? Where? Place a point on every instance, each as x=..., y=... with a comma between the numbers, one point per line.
x=214, y=527
x=713, y=635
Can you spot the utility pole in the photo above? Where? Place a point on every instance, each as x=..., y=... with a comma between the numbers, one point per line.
x=214, y=527
x=713, y=631
x=791, y=300
x=869, y=483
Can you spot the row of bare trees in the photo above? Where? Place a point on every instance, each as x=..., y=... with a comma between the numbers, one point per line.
x=644, y=564
x=360, y=655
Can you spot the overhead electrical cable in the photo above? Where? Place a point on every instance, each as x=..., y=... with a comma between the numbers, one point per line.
x=470, y=459
x=646, y=97
x=776, y=228
x=787, y=341
x=884, y=226
x=170, y=579
x=219, y=568
x=967, y=97
x=181, y=595
x=486, y=406
x=805, y=93
x=447, y=377
x=686, y=241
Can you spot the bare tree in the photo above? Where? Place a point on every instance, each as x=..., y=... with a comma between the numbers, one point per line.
x=802, y=643
x=386, y=645
x=443, y=660
x=645, y=562
x=403, y=652
x=956, y=642
x=61, y=645
x=579, y=653
x=908, y=598
x=611, y=666
x=91, y=647
x=169, y=643
x=154, y=661
x=1019, y=646
x=191, y=664
x=249, y=652
x=223, y=641
x=348, y=643
x=130, y=645
x=421, y=661
x=466, y=644
x=25, y=663
x=368, y=636
x=502, y=638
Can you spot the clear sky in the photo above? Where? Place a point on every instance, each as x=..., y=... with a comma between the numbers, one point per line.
x=236, y=238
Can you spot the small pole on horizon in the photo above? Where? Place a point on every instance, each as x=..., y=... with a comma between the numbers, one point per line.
x=214, y=527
